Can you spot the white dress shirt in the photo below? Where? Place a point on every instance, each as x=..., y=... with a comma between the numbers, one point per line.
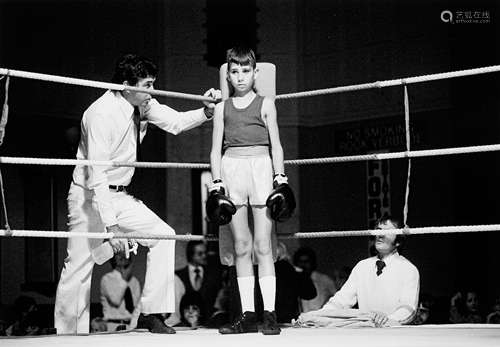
x=113, y=288
x=394, y=292
x=108, y=132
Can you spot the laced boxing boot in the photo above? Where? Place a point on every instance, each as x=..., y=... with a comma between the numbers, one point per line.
x=270, y=324
x=245, y=323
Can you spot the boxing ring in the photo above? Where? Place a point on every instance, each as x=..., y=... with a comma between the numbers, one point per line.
x=463, y=335
x=424, y=335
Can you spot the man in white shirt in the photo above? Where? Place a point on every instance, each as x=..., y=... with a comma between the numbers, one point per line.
x=120, y=294
x=111, y=129
x=386, y=285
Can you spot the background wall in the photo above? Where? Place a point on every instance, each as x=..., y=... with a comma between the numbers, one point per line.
x=314, y=44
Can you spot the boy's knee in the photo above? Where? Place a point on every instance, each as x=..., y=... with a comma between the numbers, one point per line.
x=262, y=248
x=242, y=248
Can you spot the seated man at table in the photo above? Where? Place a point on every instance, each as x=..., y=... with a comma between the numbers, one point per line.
x=384, y=286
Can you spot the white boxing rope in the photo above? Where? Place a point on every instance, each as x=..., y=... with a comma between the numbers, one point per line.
x=97, y=235
x=408, y=144
x=326, y=160
x=100, y=85
x=395, y=155
x=301, y=235
x=391, y=83
x=402, y=231
x=76, y=162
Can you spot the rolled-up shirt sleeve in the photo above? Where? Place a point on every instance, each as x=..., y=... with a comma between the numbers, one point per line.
x=408, y=298
x=172, y=121
x=98, y=147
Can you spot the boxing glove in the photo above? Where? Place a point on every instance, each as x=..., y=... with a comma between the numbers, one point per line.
x=218, y=207
x=281, y=201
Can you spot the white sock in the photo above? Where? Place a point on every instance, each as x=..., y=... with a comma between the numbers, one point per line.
x=268, y=290
x=246, y=287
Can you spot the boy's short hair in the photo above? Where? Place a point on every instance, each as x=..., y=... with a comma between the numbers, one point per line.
x=131, y=68
x=241, y=56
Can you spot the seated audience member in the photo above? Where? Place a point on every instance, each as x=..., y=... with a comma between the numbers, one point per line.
x=98, y=325
x=3, y=327
x=191, y=314
x=305, y=259
x=464, y=308
x=27, y=319
x=291, y=286
x=385, y=286
x=221, y=314
x=120, y=295
x=494, y=316
x=199, y=278
x=424, y=313
x=174, y=318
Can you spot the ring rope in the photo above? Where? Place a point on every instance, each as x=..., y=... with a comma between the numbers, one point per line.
x=391, y=83
x=301, y=235
x=4, y=207
x=325, y=160
x=3, y=124
x=5, y=110
x=102, y=235
x=73, y=162
x=101, y=85
x=334, y=90
x=408, y=143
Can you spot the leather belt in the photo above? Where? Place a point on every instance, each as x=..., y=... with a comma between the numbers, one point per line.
x=118, y=188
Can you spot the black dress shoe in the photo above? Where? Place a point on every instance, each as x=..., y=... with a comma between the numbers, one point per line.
x=154, y=323
x=246, y=323
x=270, y=324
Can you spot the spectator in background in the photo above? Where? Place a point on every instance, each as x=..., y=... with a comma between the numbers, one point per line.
x=421, y=316
x=494, y=316
x=222, y=303
x=3, y=327
x=174, y=318
x=98, y=325
x=120, y=295
x=191, y=314
x=425, y=314
x=292, y=285
x=464, y=308
x=305, y=259
x=198, y=278
x=27, y=319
